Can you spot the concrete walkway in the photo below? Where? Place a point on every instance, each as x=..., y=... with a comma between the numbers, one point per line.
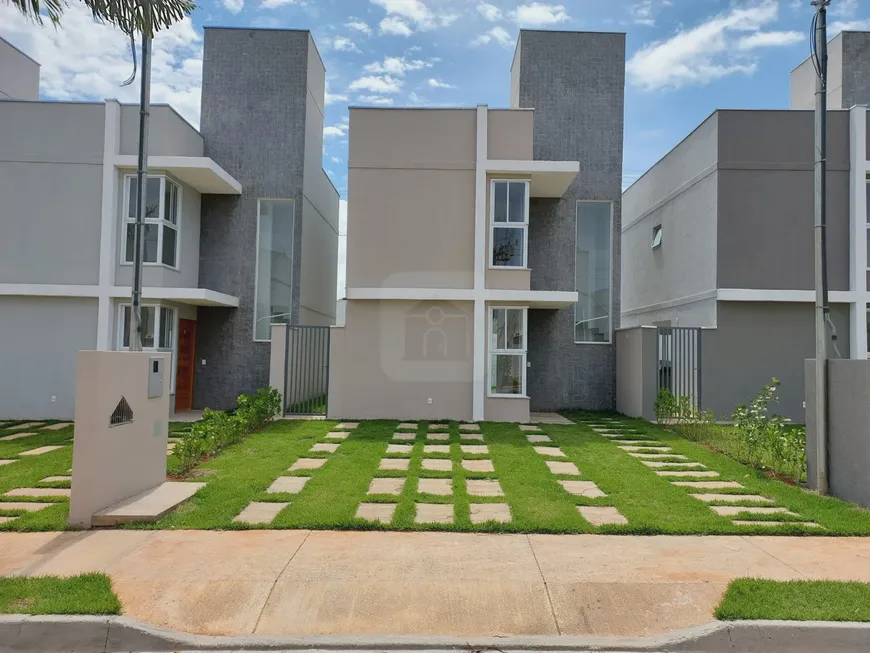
x=390, y=583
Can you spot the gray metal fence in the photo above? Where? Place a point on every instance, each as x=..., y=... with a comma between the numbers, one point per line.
x=679, y=362
x=306, y=368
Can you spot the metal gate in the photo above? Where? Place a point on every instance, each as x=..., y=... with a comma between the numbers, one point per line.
x=306, y=370
x=679, y=362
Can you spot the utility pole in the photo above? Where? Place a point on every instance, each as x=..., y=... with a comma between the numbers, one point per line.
x=820, y=62
x=142, y=184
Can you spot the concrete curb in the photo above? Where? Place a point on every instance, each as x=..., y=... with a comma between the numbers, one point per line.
x=47, y=634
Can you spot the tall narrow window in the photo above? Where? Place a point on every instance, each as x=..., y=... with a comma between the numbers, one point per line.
x=507, y=351
x=274, y=285
x=161, y=218
x=510, y=223
x=592, y=270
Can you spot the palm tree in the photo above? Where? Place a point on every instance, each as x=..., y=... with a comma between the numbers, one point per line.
x=145, y=17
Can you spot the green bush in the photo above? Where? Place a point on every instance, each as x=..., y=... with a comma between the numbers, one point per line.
x=219, y=429
x=665, y=405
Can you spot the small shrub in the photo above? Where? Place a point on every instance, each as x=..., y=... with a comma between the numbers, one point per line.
x=665, y=405
x=683, y=416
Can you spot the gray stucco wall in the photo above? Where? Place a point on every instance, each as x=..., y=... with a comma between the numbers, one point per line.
x=848, y=440
x=253, y=122
x=856, y=68
x=765, y=228
x=755, y=341
x=19, y=74
x=41, y=337
x=168, y=133
x=575, y=82
x=50, y=189
x=637, y=371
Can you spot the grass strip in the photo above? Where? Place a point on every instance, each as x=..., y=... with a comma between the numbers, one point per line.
x=795, y=600
x=85, y=594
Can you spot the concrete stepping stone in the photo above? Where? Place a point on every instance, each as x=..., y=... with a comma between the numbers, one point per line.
x=708, y=485
x=532, y=428
x=559, y=467
x=394, y=463
x=553, y=452
x=701, y=473
x=308, y=463
x=39, y=451
x=747, y=522
x=347, y=426
x=656, y=456
x=484, y=512
x=170, y=447
x=380, y=512
x=49, y=492
x=16, y=436
x=148, y=506
x=399, y=448
x=478, y=465
x=406, y=437
x=337, y=435
x=440, y=486
x=469, y=427
x=26, y=425
x=438, y=427
x=586, y=489
x=288, y=484
x=259, y=512
x=627, y=447
x=656, y=463
x=6, y=520
x=538, y=438
x=438, y=436
x=600, y=515
x=434, y=513
x=56, y=427
x=709, y=498
x=484, y=488
x=28, y=506
x=327, y=447
x=407, y=425
x=475, y=437
x=7, y=462
x=436, y=448
x=476, y=449
x=386, y=486
x=56, y=479
x=437, y=464
x=731, y=511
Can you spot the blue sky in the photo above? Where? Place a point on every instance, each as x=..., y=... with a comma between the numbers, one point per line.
x=686, y=58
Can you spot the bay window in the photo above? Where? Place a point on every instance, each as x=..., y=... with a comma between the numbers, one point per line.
x=161, y=218
x=509, y=229
x=592, y=270
x=507, y=352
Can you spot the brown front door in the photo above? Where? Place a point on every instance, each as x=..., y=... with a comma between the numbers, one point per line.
x=186, y=353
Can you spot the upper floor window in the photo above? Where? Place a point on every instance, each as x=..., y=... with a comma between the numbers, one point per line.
x=592, y=270
x=161, y=218
x=509, y=223
x=657, y=237
x=274, y=276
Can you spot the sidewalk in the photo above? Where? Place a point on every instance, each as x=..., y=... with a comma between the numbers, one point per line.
x=391, y=583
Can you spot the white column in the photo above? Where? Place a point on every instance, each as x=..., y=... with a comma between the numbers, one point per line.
x=108, y=220
x=858, y=231
x=478, y=385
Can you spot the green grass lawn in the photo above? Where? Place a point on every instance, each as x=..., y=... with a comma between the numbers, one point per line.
x=85, y=594
x=538, y=503
x=798, y=600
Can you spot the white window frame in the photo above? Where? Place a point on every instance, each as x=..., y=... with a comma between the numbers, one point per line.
x=609, y=340
x=172, y=349
x=493, y=225
x=657, y=231
x=522, y=354
x=260, y=200
x=160, y=221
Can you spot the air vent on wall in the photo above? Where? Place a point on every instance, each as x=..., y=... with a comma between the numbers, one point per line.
x=122, y=414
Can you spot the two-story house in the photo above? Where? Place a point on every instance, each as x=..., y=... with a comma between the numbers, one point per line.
x=482, y=262
x=228, y=210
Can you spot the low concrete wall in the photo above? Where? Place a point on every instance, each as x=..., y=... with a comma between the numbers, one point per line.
x=848, y=435
x=636, y=367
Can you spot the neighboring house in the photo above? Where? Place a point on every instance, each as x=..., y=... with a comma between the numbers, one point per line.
x=719, y=234
x=482, y=269
x=229, y=209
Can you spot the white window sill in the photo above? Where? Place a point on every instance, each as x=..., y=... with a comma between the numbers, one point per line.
x=491, y=396
x=152, y=265
x=509, y=267
x=593, y=342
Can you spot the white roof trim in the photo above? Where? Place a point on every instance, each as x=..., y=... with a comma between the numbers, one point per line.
x=533, y=298
x=802, y=296
x=199, y=172
x=192, y=296
x=548, y=178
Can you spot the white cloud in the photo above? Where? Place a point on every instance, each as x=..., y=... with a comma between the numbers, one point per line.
x=489, y=12
x=644, y=12
x=398, y=65
x=848, y=26
x=843, y=8
x=274, y=4
x=395, y=26
x=376, y=84
x=331, y=98
x=359, y=26
x=333, y=130
x=379, y=100
x=437, y=83
x=85, y=60
x=496, y=34
x=721, y=46
x=342, y=44
x=539, y=14
x=234, y=6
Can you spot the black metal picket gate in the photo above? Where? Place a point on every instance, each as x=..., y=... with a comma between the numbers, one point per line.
x=679, y=362
x=306, y=370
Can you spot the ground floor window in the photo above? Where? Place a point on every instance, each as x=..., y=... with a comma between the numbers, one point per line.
x=158, y=327
x=507, y=352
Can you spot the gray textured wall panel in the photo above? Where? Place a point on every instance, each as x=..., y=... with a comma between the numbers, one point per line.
x=253, y=123
x=576, y=83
